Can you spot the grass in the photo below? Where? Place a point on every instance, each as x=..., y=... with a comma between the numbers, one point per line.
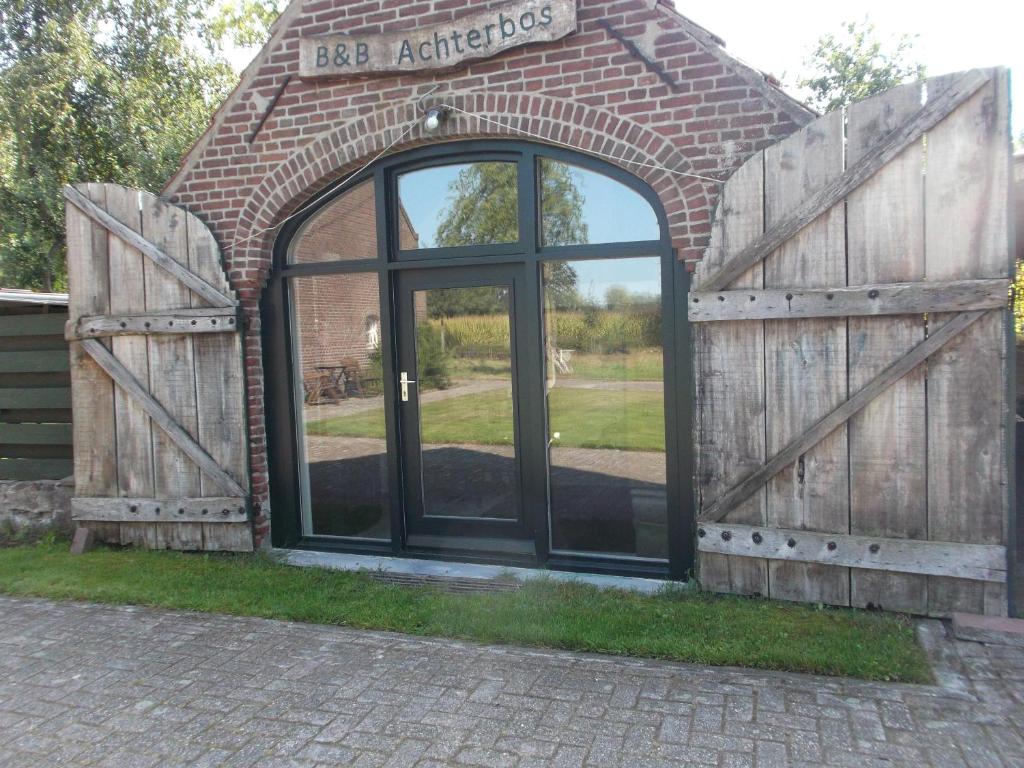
x=678, y=624
x=586, y=418
x=638, y=365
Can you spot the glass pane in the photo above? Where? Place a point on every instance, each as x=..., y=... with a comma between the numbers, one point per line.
x=344, y=230
x=467, y=426
x=452, y=205
x=605, y=399
x=580, y=207
x=337, y=358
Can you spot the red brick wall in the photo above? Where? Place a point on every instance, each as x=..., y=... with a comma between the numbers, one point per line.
x=587, y=90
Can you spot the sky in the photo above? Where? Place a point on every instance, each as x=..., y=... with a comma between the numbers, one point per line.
x=777, y=37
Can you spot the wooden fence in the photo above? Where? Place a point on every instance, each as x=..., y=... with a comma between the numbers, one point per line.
x=851, y=349
x=35, y=394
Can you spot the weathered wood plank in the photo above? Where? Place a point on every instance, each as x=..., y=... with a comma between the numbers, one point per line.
x=219, y=373
x=53, y=397
x=92, y=391
x=171, y=366
x=51, y=324
x=213, y=510
x=855, y=300
x=35, y=434
x=45, y=361
x=730, y=412
x=839, y=416
x=131, y=386
x=136, y=241
x=178, y=321
x=35, y=469
x=814, y=205
x=805, y=370
x=128, y=295
x=955, y=560
x=966, y=236
x=888, y=446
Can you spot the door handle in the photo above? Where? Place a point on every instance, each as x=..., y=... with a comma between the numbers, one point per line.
x=405, y=381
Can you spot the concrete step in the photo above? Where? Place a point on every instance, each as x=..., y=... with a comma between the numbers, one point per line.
x=992, y=630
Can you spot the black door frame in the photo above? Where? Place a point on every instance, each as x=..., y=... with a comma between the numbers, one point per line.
x=529, y=254
x=407, y=282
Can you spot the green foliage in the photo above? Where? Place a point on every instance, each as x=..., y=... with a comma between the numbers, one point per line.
x=245, y=22
x=855, y=65
x=680, y=624
x=1018, y=299
x=97, y=90
x=431, y=358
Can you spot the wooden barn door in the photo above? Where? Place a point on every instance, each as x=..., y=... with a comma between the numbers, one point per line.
x=851, y=354
x=156, y=374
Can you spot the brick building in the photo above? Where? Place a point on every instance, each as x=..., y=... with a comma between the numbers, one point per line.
x=632, y=107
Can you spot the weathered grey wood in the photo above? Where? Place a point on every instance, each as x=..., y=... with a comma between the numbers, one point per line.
x=221, y=414
x=39, y=325
x=15, y=398
x=134, y=389
x=961, y=561
x=172, y=379
x=730, y=412
x=814, y=205
x=835, y=419
x=855, y=300
x=134, y=443
x=92, y=391
x=805, y=360
x=888, y=445
x=174, y=322
x=966, y=187
x=212, y=510
x=143, y=246
x=480, y=36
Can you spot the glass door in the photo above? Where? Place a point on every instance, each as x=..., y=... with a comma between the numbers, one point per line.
x=459, y=408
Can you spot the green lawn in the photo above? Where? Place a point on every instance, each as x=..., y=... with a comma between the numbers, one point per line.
x=585, y=418
x=679, y=624
x=638, y=365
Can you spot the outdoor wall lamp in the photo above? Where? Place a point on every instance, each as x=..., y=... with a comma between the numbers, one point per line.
x=435, y=116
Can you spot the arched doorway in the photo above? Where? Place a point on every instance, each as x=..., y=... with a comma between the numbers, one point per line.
x=479, y=351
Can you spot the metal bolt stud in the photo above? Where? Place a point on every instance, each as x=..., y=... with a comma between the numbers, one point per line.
x=721, y=298
x=757, y=537
x=701, y=533
x=874, y=549
x=791, y=543
x=872, y=294
x=133, y=508
x=832, y=546
x=726, y=535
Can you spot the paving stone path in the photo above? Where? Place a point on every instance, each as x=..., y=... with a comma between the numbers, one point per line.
x=87, y=685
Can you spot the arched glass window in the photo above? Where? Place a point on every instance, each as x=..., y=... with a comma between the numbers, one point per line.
x=579, y=207
x=344, y=230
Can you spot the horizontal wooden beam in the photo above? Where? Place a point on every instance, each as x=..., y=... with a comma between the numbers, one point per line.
x=138, y=242
x=981, y=562
x=36, y=469
x=35, y=361
x=50, y=324
x=860, y=300
x=34, y=398
x=223, y=509
x=839, y=416
x=35, y=434
x=179, y=321
x=131, y=386
x=930, y=115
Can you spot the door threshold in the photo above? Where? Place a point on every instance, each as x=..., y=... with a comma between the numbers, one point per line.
x=340, y=561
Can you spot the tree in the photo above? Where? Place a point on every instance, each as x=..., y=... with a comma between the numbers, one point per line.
x=483, y=207
x=111, y=90
x=246, y=22
x=854, y=65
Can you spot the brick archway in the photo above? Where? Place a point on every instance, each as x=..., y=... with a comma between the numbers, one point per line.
x=643, y=152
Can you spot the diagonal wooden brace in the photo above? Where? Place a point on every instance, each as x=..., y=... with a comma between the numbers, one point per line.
x=190, y=279
x=930, y=115
x=832, y=421
x=126, y=381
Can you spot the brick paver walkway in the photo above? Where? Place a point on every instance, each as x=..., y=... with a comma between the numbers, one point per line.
x=86, y=685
